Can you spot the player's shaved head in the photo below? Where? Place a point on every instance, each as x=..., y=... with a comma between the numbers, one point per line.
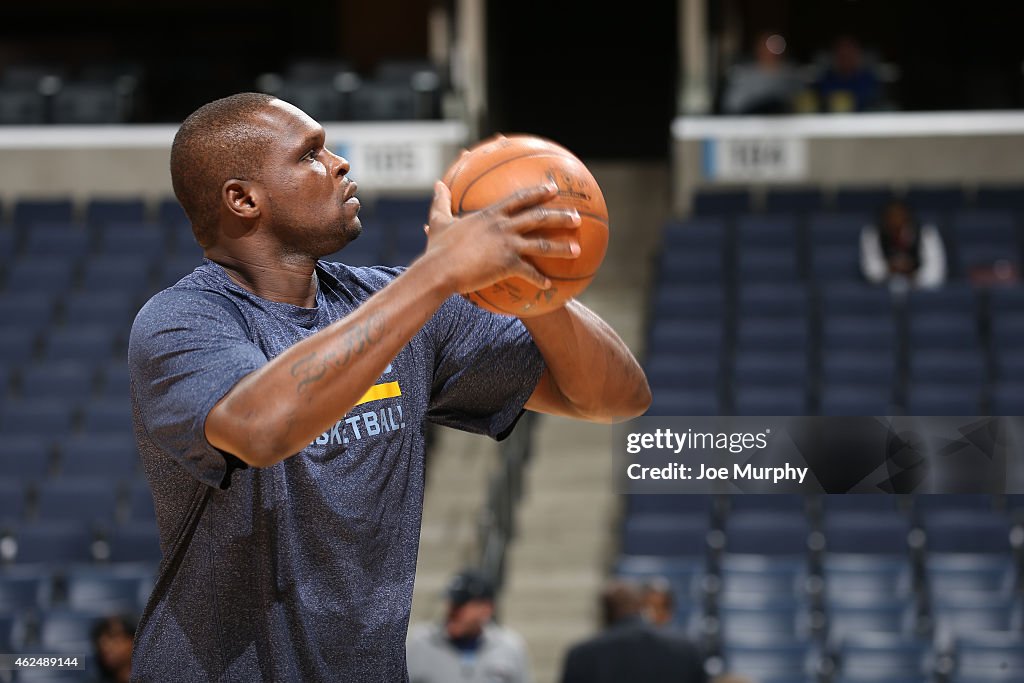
x=220, y=141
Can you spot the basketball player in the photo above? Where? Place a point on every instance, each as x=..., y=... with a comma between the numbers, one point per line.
x=279, y=401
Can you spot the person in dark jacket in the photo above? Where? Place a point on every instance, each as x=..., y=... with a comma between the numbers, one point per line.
x=631, y=649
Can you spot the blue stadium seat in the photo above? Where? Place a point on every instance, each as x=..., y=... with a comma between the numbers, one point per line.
x=1008, y=197
x=114, y=379
x=766, y=533
x=115, y=274
x=772, y=300
x=99, y=211
x=862, y=574
x=665, y=535
x=1008, y=398
x=951, y=330
x=859, y=612
x=958, y=614
x=965, y=572
x=750, y=615
x=849, y=299
x=696, y=266
x=673, y=372
x=830, y=229
x=71, y=379
x=173, y=268
x=864, y=503
x=104, y=591
x=24, y=591
x=51, y=417
x=760, y=401
x=1007, y=329
x=171, y=215
x=1009, y=365
x=108, y=415
x=66, y=631
x=688, y=505
x=874, y=533
x=990, y=655
x=875, y=334
x=746, y=574
x=32, y=309
x=770, y=369
x=29, y=212
x=56, y=240
x=672, y=301
x=1005, y=300
x=945, y=502
x=684, y=402
x=858, y=368
x=668, y=336
x=935, y=198
x=955, y=297
x=767, y=232
x=111, y=455
x=882, y=655
x=141, y=507
x=861, y=199
x=721, y=202
x=92, y=343
x=113, y=308
x=135, y=541
x=957, y=366
x=767, y=264
x=835, y=265
x=685, y=575
x=774, y=503
x=26, y=457
x=92, y=499
x=793, y=200
x=966, y=531
x=769, y=660
x=13, y=501
x=697, y=233
x=132, y=240
x=44, y=274
x=772, y=334
x=928, y=398
x=53, y=542
x=17, y=345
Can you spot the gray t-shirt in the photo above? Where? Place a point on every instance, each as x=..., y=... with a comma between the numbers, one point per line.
x=302, y=571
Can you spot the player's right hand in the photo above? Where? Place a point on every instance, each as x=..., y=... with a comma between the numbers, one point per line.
x=492, y=244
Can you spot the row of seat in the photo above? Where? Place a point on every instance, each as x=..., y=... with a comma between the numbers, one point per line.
x=852, y=198
x=119, y=494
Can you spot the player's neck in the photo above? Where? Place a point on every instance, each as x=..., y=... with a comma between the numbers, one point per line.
x=289, y=281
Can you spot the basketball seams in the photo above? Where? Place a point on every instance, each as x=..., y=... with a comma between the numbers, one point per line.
x=530, y=155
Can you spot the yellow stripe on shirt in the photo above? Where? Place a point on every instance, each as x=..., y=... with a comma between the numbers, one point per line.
x=379, y=391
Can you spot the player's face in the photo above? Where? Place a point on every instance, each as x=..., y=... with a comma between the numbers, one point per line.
x=309, y=197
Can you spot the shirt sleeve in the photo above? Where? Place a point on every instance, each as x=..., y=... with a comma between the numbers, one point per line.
x=932, y=271
x=486, y=366
x=872, y=260
x=186, y=351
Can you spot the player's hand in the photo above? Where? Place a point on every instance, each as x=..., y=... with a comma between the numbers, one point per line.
x=492, y=244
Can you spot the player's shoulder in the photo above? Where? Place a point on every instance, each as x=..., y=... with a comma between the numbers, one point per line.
x=369, y=277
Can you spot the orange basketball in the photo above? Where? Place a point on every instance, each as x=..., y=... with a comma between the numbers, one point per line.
x=498, y=167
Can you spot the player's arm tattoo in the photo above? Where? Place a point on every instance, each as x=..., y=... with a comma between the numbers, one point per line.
x=313, y=367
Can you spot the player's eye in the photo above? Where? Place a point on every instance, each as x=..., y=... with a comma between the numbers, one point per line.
x=312, y=154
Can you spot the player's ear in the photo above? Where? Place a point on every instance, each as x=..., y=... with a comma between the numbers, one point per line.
x=242, y=197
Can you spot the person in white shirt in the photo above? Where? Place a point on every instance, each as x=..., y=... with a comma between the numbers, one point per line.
x=901, y=252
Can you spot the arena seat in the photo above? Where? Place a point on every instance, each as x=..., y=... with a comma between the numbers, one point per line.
x=92, y=499
x=115, y=274
x=43, y=416
x=693, y=371
x=110, y=454
x=665, y=535
x=101, y=212
x=107, y=415
x=967, y=572
x=136, y=240
x=862, y=574
x=53, y=542
x=112, y=308
x=693, y=267
x=935, y=197
x=965, y=531
x=26, y=457
x=135, y=541
x=793, y=200
x=721, y=202
x=883, y=656
x=749, y=616
x=43, y=274
x=140, y=502
x=863, y=612
x=70, y=379
x=767, y=533
x=57, y=240
x=866, y=533
x=31, y=212
x=774, y=661
x=989, y=656
x=105, y=590
x=861, y=199
x=745, y=574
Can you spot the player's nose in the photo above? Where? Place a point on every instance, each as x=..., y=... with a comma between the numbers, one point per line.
x=339, y=164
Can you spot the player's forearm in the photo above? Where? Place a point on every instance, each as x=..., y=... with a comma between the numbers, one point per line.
x=590, y=365
x=281, y=408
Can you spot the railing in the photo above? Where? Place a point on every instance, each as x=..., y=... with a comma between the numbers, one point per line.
x=497, y=527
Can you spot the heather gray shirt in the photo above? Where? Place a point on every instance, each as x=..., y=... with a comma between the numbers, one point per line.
x=302, y=571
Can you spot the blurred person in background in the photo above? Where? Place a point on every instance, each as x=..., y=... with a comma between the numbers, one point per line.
x=901, y=252
x=659, y=601
x=631, y=649
x=468, y=647
x=848, y=83
x=112, y=639
x=767, y=85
